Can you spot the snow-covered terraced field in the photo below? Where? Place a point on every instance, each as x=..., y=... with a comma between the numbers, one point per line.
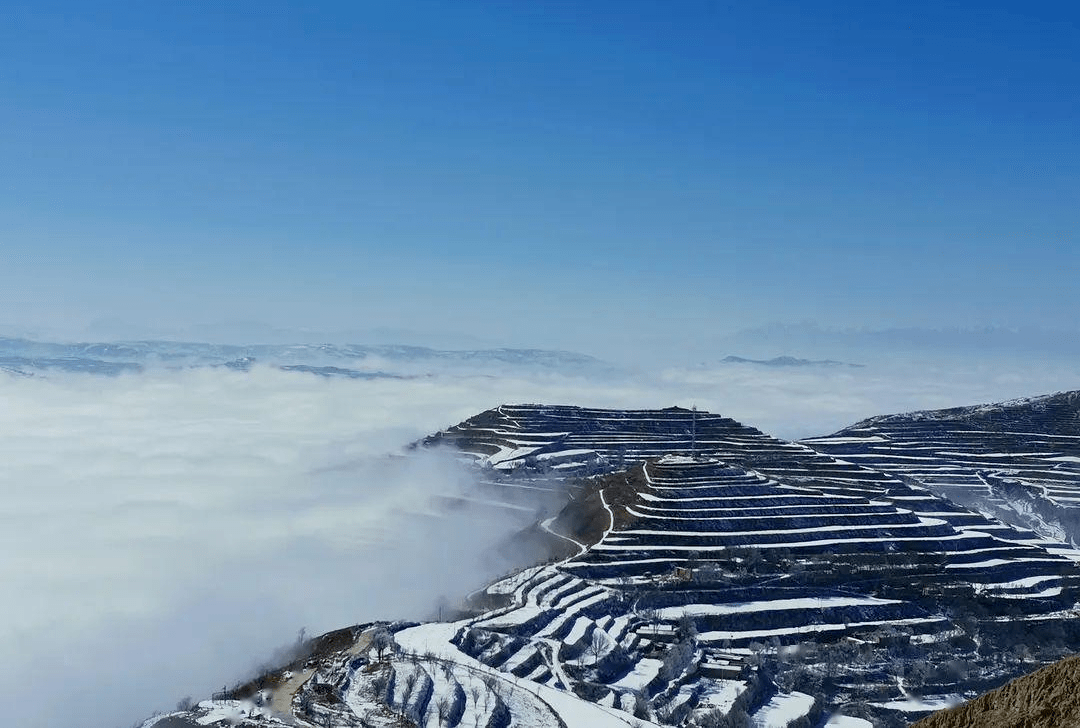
x=784, y=543
x=717, y=571
x=1019, y=461
x=518, y=445
x=816, y=528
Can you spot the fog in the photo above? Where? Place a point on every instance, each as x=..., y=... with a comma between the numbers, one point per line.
x=165, y=532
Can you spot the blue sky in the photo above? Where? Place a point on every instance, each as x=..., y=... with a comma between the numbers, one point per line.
x=588, y=175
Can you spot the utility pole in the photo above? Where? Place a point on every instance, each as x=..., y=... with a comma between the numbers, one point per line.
x=693, y=431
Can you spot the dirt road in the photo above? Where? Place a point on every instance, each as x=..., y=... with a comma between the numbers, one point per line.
x=282, y=696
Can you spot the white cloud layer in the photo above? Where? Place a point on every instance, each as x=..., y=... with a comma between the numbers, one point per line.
x=164, y=532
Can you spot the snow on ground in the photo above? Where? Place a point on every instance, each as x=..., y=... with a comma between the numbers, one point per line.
x=567, y=612
x=574, y=711
x=478, y=699
x=923, y=522
x=842, y=440
x=510, y=584
x=1067, y=553
x=719, y=635
x=721, y=693
x=442, y=686
x=546, y=525
x=617, y=629
x=772, y=605
x=506, y=454
x=518, y=658
x=229, y=711
x=989, y=563
x=781, y=710
x=564, y=454
x=511, y=619
x=680, y=460
x=847, y=721
x=917, y=705
x=578, y=630
x=643, y=673
x=1017, y=583
x=1044, y=594
x=151, y=722
x=603, y=546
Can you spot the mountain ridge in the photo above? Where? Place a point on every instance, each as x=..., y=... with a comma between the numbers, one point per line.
x=350, y=360
x=789, y=361
x=1019, y=459
x=710, y=574
x=1064, y=397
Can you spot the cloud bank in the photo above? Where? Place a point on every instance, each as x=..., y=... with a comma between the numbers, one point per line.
x=166, y=531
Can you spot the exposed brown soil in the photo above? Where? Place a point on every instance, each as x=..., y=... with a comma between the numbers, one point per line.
x=534, y=545
x=282, y=694
x=1047, y=698
x=585, y=519
x=316, y=648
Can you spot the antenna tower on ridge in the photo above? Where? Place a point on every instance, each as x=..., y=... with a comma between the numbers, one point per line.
x=693, y=431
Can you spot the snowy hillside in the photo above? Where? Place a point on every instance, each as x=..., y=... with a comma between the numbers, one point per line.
x=709, y=575
x=1018, y=461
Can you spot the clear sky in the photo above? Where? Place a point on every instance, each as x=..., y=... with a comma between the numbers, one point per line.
x=570, y=174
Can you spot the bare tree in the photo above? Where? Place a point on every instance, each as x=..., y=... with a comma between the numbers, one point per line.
x=443, y=706
x=490, y=681
x=597, y=644
x=641, y=705
x=649, y=614
x=423, y=711
x=379, y=684
x=685, y=628
x=410, y=683
x=381, y=641
x=665, y=714
x=676, y=659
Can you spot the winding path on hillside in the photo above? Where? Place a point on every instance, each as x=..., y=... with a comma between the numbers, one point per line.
x=282, y=697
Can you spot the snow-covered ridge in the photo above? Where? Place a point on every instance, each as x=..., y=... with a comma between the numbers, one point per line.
x=1018, y=460
x=737, y=577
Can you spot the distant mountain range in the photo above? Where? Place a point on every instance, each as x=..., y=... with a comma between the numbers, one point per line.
x=27, y=357
x=788, y=361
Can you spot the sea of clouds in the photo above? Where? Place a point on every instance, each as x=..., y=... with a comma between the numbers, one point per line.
x=164, y=532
